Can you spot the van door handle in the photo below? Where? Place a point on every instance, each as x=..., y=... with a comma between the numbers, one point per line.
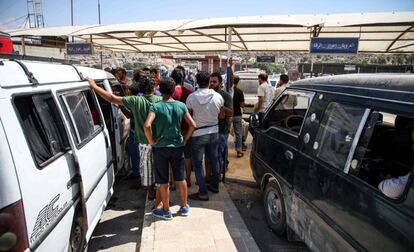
x=288, y=155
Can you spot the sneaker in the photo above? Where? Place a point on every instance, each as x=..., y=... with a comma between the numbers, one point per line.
x=160, y=213
x=184, y=211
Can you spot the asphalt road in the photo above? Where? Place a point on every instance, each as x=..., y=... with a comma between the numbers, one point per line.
x=249, y=202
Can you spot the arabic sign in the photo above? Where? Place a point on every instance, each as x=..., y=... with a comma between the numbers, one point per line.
x=350, y=67
x=79, y=48
x=334, y=45
x=262, y=59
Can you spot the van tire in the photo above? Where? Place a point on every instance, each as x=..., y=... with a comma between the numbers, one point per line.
x=77, y=236
x=274, y=207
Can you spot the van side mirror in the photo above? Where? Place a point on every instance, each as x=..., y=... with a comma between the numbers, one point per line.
x=255, y=121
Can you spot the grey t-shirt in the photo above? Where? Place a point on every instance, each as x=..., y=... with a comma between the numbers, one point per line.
x=224, y=124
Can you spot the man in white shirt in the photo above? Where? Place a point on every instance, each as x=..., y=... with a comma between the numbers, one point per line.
x=264, y=93
x=205, y=105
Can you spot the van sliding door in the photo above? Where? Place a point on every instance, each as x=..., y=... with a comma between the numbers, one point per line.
x=92, y=151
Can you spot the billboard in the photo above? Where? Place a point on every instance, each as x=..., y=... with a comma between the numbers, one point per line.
x=334, y=45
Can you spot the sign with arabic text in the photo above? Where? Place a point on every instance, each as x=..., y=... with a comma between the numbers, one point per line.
x=334, y=45
x=79, y=48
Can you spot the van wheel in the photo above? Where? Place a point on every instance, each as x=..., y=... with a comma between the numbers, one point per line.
x=77, y=236
x=274, y=207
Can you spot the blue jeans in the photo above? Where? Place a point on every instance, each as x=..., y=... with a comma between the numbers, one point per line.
x=205, y=144
x=222, y=150
x=237, y=126
x=134, y=153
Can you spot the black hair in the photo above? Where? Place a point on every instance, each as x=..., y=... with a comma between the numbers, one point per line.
x=284, y=78
x=154, y=70
x=146, y=84
x=120, y=69
x=146, y=69
x=137, y=75
x=263, y=76
x=178, y=75
x=182, y=69
x=216, y=74
x=236, y=80
x=167, y=86
x=203, y=79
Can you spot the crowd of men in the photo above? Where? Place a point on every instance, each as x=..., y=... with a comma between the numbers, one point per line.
x=176, y=130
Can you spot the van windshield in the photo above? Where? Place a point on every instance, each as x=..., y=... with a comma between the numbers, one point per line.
x=248, y=86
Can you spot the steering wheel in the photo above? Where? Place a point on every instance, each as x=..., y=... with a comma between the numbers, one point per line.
x=293, y=122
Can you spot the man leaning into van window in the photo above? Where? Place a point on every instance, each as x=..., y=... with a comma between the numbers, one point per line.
x=139, y=106
x=394, y=187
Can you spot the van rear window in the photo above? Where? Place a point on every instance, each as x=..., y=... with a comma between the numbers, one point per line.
x=43, y=127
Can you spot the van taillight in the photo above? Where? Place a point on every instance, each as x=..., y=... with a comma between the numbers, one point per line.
x=13, y=234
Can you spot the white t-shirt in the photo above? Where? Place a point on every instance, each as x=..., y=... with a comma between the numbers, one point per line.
x=266, y=91
x=394, y=187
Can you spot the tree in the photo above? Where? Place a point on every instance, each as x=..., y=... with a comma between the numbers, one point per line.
x=270, y=68
x=97, y=66
x=128, y=66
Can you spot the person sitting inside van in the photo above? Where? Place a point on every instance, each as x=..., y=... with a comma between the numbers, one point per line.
x=394, y=187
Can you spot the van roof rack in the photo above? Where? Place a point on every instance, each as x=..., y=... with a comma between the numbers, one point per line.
x=36, y=58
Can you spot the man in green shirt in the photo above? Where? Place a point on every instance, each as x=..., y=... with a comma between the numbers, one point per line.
x=139, y=107
x=163, y=130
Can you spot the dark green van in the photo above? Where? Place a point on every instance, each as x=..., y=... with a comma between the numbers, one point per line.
x=320, y=152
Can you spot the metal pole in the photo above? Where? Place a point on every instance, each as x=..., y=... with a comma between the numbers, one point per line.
x=23, y=46
x=230, y=31
x=99, y=19
x=71, y=15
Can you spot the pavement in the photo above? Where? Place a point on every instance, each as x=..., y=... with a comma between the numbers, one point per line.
x=213, y=225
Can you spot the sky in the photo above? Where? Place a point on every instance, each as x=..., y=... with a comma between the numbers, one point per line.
x=57, y=12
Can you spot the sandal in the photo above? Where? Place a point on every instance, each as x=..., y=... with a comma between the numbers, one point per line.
x=197, y=196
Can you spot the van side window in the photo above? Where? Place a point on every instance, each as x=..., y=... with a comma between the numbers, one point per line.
x=384, y=158
x=84, y=114
x=116, y=88
x=289, y=112
x=42, y=126
x=336, y=133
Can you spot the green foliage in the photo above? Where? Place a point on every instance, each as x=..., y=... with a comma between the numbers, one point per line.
x=97, y=66
x=270, y=68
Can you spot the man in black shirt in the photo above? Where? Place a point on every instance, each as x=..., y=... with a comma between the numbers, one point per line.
x=238, y=104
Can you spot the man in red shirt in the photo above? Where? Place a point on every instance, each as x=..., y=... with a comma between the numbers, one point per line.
x=180, y=94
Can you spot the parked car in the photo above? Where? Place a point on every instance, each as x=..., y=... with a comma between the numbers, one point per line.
x=319, y=153
x=57, y=169
x=117, y=123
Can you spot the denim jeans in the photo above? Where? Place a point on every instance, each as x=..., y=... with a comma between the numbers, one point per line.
x=205, y=144
x=222, y=150
x=134, y=153
x=237, y=126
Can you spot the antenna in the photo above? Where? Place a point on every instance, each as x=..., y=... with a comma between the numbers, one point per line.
x=35, y=14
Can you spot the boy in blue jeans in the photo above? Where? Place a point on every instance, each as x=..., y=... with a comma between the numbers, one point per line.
x=168, y=145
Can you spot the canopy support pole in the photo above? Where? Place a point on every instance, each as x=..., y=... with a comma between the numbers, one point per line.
x=23, y=45
x=228, y=83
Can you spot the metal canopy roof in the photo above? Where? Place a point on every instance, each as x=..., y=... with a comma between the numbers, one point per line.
x=377, y=33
